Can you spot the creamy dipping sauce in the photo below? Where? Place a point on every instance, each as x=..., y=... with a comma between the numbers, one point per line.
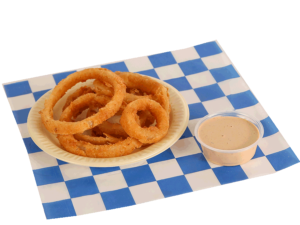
x=228, y=133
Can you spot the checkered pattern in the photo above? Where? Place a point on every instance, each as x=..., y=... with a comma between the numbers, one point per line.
x=209, y=82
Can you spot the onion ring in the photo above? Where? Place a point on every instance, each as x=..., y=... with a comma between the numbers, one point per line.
x=114, y=129
x=138, y=83
x=158, y=91
x=84, y=148
x=62, y=127
x=87, y=149
x=144, y=119
x=135, y=91
x=102, y=100
x=81, y=91
x=97, y=140
x=106, y=127
x=102, y=89
x=149, y=134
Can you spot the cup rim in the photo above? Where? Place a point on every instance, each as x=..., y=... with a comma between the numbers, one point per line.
x=254, y=121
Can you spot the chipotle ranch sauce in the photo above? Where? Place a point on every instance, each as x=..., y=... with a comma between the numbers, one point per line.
x=228, y=133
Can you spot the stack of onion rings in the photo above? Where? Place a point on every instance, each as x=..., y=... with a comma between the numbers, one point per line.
x=90, y=149
x=142, y=103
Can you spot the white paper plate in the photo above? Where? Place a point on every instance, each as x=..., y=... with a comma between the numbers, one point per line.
x=49, y=143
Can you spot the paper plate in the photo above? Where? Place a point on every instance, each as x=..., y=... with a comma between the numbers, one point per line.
x=49, y=143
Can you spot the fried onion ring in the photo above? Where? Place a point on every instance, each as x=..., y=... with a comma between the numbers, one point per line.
x=114, y=129
x=102, y=100
x=137, y=83
x=106, y=127
x=81, y=91
x=150, y=134
x=158, y=91
x=102, y=89
x=84, y=148
x=135, y=91
x=62, y=127
x=144, y=118
x=97, y=140
x=87, y=149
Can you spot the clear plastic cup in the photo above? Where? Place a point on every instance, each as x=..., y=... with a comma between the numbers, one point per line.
x=229, y=157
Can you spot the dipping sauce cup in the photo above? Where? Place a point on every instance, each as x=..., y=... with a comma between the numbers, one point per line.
x=229, y=157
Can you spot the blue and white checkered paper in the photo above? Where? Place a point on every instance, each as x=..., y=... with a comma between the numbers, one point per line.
x=209, y=82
